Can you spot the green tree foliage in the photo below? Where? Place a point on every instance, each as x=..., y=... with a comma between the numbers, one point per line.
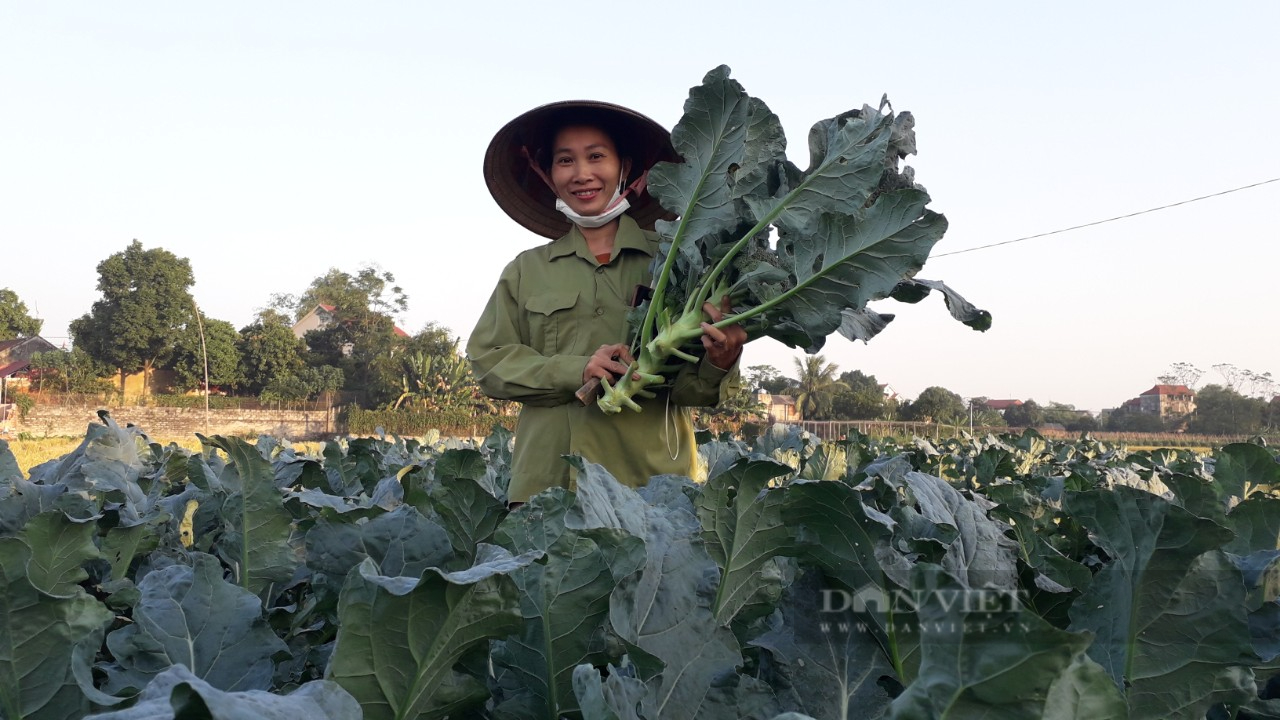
x=68, y=372
x=936, y=404
x=816, y=387
x=144, y=308
x=14, y=320
x=860, y=399
x=434, y=376
x=767, y=378
x=308, y=383
x=1223, y=411
x=1133, y=421
x=364, y=345
x=368, y=290
x=1028, y=414
x=1069, y=417
x=268, y=350
x=361, y=339
x=220, y=338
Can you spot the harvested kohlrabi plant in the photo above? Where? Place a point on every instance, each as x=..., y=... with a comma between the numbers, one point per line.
x=800, y=253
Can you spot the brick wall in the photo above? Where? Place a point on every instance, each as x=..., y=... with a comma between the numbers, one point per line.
x=164, y=423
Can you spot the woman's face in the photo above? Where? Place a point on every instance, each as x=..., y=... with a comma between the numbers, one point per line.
x=585, y=168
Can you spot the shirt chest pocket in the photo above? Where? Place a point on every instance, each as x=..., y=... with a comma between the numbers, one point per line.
x=553, y=319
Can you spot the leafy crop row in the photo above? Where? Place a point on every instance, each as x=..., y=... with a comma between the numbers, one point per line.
x=1008, y=577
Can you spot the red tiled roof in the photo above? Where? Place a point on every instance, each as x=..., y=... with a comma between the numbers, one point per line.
x=1169, y=390
x=328, y=308
x=13, y=367
x=400, y=332
x=1003, y=404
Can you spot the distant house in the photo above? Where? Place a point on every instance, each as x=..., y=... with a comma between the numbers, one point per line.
x=1001, y=405
x=1167, y=401
x=320, y=317
x=778, y=408
x=15, y=361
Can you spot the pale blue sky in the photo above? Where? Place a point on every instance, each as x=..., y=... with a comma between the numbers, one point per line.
x=268, y=142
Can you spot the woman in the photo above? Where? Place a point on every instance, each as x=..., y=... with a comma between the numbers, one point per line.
x=575, y=172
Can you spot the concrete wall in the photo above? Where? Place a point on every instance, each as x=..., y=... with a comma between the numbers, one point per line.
x=164, y=423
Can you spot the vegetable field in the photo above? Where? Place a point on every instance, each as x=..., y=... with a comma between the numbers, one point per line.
x=995, y=577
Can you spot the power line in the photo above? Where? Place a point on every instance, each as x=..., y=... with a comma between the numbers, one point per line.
x=1101, y=222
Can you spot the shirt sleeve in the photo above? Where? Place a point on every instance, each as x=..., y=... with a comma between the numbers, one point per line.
x=705, y=385
x=508, y=369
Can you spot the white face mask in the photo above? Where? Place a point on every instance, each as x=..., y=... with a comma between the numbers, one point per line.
x=617, y=205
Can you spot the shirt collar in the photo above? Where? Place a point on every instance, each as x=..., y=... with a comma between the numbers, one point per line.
x=629, y=237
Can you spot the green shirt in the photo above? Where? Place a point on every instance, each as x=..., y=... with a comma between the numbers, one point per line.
x=553, y=307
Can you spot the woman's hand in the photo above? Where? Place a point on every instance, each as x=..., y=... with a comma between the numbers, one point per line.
x=723, y=345
x=609, y=362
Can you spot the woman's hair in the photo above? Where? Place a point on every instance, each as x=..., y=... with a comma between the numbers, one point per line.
x=618, y=130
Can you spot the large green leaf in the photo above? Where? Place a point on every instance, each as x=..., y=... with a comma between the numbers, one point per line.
x=850, y=542
x=256, y=539
x=745, y=534
x=59, y=550
x=844, y=238
x=1168, y=609
x=45, y=642
x=467, y=512
x=980, y=555
x=665, y=609
x=177, y=694
x=617, y=696
x=399, y=638
x=985, y=656
x=564, y=600
x=1242, y=470
x=191, y=616
x=401, y=542
x=1256, y=523
x=828, y=663
x=9, y=470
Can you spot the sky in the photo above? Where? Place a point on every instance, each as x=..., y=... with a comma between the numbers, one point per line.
x=269, y=142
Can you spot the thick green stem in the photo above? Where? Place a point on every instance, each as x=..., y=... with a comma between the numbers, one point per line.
x=652, y=360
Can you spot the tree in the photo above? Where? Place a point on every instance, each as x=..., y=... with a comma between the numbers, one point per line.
x=1028, y=414
x=361, y=339
x=1133, y=421
x=1223, y=411
x=14, y=320
x=368, y=290
x=937, y=404
x=307, y=384
x=816, y=387
x=1181, y=373
x=69, y=372
x=145, y=306
x=219, y=344
x=268, y=350
x=767, y=378
x=363, y=345
x=860, y=399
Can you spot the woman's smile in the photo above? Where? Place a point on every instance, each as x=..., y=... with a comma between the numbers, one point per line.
x=585, y=169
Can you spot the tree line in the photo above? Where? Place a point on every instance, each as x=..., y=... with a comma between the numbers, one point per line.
x=1244, y=403
x=146, y=320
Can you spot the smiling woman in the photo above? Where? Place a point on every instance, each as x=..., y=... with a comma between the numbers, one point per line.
x=576, y=172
